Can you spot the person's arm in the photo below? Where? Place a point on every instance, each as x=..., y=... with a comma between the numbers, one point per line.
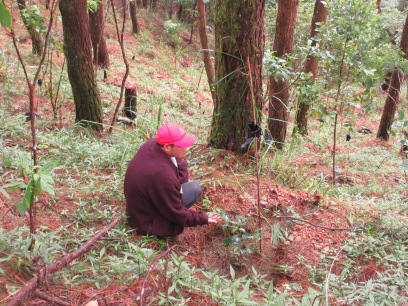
x=182, y=170
x=166, y=198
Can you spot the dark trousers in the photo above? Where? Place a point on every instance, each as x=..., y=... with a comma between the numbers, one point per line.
x=191, y=193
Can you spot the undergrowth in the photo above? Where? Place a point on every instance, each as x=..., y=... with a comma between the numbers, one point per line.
x=369, y=268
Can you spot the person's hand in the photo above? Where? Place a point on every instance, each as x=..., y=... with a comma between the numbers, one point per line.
x=214, y=219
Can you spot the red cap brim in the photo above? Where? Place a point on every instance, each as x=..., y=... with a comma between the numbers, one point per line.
x=186, y=141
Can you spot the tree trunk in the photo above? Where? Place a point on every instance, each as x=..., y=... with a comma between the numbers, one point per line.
x=379, y=6
x=77, y=49
x=402, y=5
x=202, y=24
x=34, y=35
x=97, y=25
x=319, y=16
x=239, y=36
x=393, y=98
x=180, y=12
x=146, y=4
x=279, y=90
x=130, y=101
x=133, y=17
x=171, y=9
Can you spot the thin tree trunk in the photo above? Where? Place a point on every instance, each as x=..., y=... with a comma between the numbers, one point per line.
x=202, y=24
x=319, y=16
x=130, y=101
x=379, y=6
x=133, y=16
x=122, y=47
x=31, y=89
x=34, y=35
x=180, y=12
x=171, y=9
x=393, y=98
x=77, y=49
x=279, y=89
x=97, y=25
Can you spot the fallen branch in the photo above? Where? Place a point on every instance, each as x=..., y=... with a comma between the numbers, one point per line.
x=321, y=226
x=49, y=298
x=30, y=287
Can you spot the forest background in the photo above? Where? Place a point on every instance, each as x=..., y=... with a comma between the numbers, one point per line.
x=312, y=213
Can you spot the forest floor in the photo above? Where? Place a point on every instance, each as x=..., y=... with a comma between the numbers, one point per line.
x=312, y=220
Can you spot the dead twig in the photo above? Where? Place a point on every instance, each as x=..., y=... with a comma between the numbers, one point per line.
x=321, y=226
x=51, y=299
x=30, y=287
x=328, y=275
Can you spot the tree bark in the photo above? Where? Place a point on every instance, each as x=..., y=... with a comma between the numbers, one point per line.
x=97, y=30
x=202, y=24
x=279, y=90
x=146, y=4
x=130, y=101
x=77, y=49
x=133, y=17
x=402, y=5
x=379, y=6
x=319, y=16
x=34, y=35
x=393, y=98
x=239, y=35
x=30, y=287
x=180, y=12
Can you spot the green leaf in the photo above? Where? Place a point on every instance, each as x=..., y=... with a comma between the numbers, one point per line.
x=48, y=168
x=8, y=162
x=391, y=132
x=27, y=200
x=5, y=16
x=102, y=252
x=3, y=192
x=404, y=165
x=37, y=189
x=15, y=185
x=400, y=114
x=232, y=272
x=295, y=286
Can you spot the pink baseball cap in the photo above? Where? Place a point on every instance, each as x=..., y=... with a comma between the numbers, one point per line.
x=172, y=133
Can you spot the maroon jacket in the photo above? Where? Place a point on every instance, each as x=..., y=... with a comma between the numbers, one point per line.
x=154, y=203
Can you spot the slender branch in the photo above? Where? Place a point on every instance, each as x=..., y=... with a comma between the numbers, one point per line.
x=328, y=275
x=30, y=287
x=321, y=226
x=335, y=118
x=256, y=154
x=31, y=89
x=120, y=39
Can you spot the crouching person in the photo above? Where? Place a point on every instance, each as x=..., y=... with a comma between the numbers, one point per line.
x=157, y=191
